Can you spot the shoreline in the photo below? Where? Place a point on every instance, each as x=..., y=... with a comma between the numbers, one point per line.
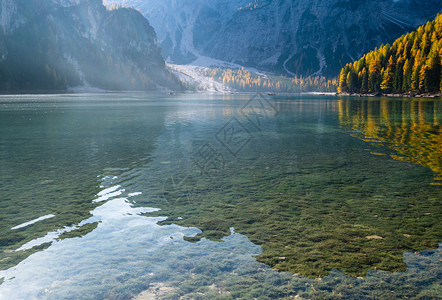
x=394, y=95
x=336, y=94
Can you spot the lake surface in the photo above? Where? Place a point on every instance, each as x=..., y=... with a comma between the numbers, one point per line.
x=119, y=196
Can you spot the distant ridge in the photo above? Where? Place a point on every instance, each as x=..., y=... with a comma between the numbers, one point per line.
x=62, y=45
x=289, y=37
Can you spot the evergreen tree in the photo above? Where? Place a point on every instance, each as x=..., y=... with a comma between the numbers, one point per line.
x=414, y=61
x=352, y=80
x=374, y=80
x=387, y=77
x=364, y=84
x=398, y=76
x=343, y=79
x=431, y=80
x=407, y=70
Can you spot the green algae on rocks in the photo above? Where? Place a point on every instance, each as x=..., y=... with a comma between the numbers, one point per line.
x=315, y=200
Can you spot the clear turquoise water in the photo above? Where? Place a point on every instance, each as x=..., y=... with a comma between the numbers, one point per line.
x=126, y=179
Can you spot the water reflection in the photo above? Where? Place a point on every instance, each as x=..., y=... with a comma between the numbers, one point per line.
x=300, y=188
x=52, y=148
x=301, y=196
x=412, y=128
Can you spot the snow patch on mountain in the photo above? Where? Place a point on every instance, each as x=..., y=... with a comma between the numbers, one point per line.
x=284, y=36
x=85, y=86
x=272, y=60
x=322, y=63
x=284, y=65
x=194, y=78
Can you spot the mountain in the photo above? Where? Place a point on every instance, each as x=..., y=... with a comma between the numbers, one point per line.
x=300, y=37
x=60, y=44
x=412, y=63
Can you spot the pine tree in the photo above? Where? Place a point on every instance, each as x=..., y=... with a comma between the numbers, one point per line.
x=414, y=61
x=374, y=78
x=398, y=76
x=343, y=79
x=352, y=80
x=423, y=73
x=440, y=88
x=425, y=44
x=407, y=75
x=364, y=83
x=387, y=77
x=431, y=80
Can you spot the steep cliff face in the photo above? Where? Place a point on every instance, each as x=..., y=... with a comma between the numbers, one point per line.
x=54, y=45
x=287, y=36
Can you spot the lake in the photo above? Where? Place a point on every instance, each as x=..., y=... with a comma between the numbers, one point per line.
x=134, y=195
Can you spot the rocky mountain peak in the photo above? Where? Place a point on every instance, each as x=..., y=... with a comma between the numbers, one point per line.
x=66, y=43
x=284, y=36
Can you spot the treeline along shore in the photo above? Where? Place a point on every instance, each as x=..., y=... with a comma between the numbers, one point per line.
x=411, y=67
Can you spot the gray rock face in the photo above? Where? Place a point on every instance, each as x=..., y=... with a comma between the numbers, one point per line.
x=286, y=36
x=57, y=44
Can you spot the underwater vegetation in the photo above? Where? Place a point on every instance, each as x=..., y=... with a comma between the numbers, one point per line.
x=327, y=184
x=411, y=128
x=316, y=199
x=227, y=278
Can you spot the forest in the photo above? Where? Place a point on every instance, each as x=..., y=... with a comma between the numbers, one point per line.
x=245, y=81
x=411, y=64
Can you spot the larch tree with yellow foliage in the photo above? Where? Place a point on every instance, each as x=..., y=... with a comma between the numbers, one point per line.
x=412, y=63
